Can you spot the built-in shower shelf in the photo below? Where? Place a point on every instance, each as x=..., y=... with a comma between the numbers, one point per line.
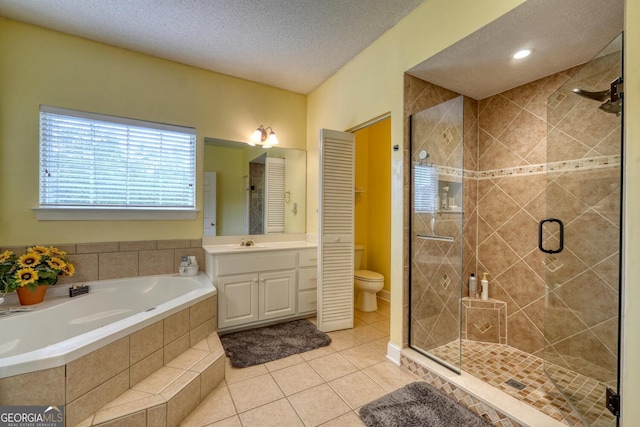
x=435, y=237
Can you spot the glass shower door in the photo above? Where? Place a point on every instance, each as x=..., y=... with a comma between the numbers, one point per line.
x=582, y=236
x=436, y=232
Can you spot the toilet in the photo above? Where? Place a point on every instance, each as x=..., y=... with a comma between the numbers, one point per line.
x=366, y=283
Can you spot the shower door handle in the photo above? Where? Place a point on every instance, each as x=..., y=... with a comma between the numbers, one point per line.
x=561, y=236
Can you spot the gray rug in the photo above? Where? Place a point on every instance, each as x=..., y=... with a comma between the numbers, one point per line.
x=256, y=346
x=419, y=404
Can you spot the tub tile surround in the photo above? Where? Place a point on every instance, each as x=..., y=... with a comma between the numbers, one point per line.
x=156, y=373
x=505, y=176
x=116, y=260
x=135, y=362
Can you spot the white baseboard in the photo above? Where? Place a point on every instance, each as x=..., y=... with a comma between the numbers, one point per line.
x=385, y=295
x=393, y=353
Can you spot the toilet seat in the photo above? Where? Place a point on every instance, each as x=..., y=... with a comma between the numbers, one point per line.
x=367, y=276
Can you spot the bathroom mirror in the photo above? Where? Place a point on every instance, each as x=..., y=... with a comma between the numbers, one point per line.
x=253, y=190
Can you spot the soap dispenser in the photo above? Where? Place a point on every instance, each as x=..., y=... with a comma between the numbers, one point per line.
x=485, y=286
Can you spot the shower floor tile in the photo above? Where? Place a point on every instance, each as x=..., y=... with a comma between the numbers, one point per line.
x=497, y=363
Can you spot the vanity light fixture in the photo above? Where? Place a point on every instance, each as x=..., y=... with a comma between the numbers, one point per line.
x=265, y=136
x=522, y=54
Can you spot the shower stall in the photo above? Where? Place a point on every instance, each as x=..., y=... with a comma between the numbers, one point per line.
x=525, y=186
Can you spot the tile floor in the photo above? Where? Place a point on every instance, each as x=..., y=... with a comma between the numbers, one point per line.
x=496, y=363
x=324, y=387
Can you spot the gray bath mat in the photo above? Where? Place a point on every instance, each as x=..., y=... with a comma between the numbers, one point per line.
x=419, y=404
x=256, y=346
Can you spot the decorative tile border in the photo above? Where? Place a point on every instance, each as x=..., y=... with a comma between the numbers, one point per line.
x=476, y=406
x=562, y=166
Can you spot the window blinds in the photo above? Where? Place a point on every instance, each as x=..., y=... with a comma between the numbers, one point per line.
x=92, y=160
x=425, y=184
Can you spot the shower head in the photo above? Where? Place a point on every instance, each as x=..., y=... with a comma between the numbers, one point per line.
x=596, y=96
x=604, y=96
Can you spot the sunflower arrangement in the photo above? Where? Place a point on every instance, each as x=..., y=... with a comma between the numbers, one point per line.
x=39, y=265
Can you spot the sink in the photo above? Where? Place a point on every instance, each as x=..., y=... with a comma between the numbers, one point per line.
x=238, y=247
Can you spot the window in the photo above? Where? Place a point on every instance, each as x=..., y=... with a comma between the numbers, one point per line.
x=425, y=184
x=103, y=162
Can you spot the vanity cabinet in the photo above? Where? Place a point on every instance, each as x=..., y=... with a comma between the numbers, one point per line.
x=261, y=287
x=307, y=281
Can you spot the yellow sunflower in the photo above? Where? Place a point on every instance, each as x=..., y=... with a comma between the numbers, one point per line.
x=30, y=259
x=68, y=269
x=56, y=263
x=55, y=252
x=5, y=256
x=26, y=276
x=40, y=250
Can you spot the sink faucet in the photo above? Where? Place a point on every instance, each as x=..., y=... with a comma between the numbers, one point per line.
x=249, y=242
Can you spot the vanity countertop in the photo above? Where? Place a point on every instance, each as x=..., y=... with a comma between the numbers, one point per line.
x=258, y=247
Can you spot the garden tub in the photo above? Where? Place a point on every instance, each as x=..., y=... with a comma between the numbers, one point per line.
x=62, y=329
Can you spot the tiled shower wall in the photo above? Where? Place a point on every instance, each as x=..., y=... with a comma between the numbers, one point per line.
x=513, y=149
x=115, y=260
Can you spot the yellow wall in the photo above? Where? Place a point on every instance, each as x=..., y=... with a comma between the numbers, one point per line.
x=379, y=190
x=361, y=205
x=630, y=387
x=228, y=165
x=373, y=205
x=40, y=66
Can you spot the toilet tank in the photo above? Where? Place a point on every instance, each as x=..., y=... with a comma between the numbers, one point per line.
x=358, y=250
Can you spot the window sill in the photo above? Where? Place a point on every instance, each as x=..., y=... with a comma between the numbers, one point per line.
x=113, y=214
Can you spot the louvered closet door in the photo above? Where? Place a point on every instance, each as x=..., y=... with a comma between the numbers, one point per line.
x=274, y=193
x=335, y=236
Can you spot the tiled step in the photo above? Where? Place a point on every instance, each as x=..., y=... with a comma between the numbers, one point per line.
x=169, y=394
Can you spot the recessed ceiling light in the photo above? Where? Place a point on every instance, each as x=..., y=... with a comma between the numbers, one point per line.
x=522, y=54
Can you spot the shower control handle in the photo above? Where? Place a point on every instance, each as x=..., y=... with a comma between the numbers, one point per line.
x=560, y=235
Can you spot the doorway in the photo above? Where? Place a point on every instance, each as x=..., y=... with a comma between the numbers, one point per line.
x=372, y=215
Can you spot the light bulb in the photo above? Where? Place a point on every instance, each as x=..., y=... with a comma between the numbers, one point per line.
x=256, y=136
x=273, y=139
x=522, y=54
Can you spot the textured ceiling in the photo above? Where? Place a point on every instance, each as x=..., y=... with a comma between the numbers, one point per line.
x=290, y=44
x=562, y=34
x=297, y=44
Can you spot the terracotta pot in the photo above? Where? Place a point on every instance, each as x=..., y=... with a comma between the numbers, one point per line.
x=29, y=297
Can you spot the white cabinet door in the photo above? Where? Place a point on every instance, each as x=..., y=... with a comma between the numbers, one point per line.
x=277, y=294
x=237, y=300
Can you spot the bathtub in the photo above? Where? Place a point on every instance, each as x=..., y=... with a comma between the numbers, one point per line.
x=62, y=329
